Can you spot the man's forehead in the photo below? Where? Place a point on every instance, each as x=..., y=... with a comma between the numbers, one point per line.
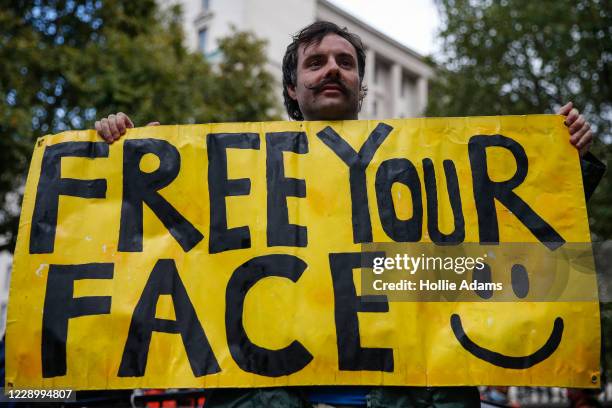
x=330, y=42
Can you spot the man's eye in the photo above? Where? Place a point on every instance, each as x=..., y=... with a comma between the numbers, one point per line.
x=314, y=63
x=346, y=63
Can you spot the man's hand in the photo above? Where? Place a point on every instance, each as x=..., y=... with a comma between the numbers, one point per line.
x=113, y=127
x=580, y=130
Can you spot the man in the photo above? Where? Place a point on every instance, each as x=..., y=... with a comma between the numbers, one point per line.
x=323, y=71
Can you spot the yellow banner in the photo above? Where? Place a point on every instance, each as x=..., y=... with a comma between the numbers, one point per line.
x=229, y=255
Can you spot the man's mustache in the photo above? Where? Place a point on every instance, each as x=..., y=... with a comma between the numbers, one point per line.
x=316, y=88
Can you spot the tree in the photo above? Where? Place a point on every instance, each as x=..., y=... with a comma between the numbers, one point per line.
x=520, y=56
x=66, y=62
x=244, y=89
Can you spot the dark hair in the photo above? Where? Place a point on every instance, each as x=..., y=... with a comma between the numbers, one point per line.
x=314, y=34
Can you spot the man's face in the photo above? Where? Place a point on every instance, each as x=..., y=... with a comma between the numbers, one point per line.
x=327, y=86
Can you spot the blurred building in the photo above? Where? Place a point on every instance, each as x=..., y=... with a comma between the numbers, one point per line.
x=5, y=280
x=396, y=76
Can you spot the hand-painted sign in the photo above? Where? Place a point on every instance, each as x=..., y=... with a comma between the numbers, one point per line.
x=224, y=255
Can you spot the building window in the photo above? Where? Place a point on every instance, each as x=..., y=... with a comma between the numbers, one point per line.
x=202, y=40
x=205, y=5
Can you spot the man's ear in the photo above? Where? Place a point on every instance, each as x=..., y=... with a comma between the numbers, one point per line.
x=291, y=92
x=363, y=91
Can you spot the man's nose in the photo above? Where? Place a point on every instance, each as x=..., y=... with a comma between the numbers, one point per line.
x=333, y=70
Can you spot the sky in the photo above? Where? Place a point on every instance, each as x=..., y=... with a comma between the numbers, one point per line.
x=410, y=22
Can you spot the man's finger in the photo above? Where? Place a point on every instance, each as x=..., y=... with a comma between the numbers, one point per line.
x=576, y=136
x=578, y=124
x=128, y=122
x=120, y=121
x=565, y=109
x=106, y=132
x=112, y=124
x=98, y=127
x=153, y=124
x=585, y=140
x=571, y=117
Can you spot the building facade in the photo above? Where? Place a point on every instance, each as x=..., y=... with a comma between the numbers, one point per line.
x=396, y=76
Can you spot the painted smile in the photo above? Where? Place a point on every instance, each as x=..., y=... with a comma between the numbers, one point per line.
x=502, y=360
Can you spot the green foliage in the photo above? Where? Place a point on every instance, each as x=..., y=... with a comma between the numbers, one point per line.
x=521, y=56
x=245, y=89
x=67, y=62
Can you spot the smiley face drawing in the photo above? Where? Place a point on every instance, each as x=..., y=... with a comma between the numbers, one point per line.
x=520, y=286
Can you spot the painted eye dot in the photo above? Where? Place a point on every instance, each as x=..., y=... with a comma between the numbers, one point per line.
x=520, y=280
x=483, y=275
